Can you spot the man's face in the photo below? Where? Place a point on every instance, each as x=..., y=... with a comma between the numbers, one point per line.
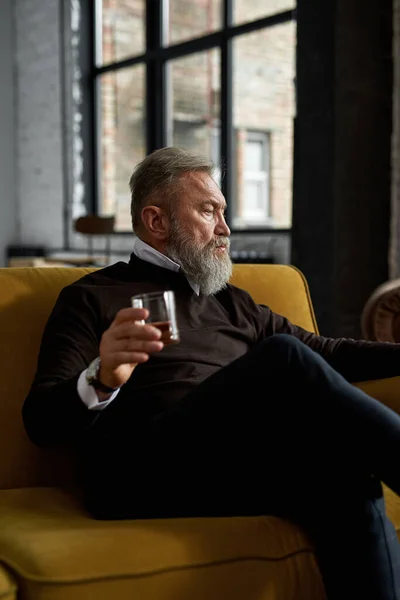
x=198, y=238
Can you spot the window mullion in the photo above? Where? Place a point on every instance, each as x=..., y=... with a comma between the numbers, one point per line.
x=226, y=111
x=155, y=77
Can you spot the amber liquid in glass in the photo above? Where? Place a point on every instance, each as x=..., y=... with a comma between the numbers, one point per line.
x=166, y=334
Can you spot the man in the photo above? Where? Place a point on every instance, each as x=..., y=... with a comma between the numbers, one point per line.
x=248, y=414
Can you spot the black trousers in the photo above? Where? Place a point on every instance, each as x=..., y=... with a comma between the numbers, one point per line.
x=276, y=432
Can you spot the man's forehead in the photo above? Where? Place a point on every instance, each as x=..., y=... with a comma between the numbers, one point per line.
x=205, y=186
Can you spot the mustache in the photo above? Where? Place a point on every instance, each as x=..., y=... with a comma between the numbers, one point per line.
x=221, y=241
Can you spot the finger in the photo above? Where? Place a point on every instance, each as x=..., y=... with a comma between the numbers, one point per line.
x=128, y=358
x=129, y=345
x=135, y=330
x=130, y=314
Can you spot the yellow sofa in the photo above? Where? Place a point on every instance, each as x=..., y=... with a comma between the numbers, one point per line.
x=51, y=549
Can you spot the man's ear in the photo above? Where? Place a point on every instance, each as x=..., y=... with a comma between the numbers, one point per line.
x=155, y=220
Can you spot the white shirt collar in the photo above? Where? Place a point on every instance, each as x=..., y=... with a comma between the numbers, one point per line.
x=151, y=255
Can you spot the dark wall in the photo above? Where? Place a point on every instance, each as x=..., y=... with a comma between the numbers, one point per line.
x=342, y=188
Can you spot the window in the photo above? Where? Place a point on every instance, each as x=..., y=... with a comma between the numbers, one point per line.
x=195, y=101
x=255, y=209
x=214, y=76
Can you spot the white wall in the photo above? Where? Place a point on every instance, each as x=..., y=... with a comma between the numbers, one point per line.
x=38, y=134
x=7, y=128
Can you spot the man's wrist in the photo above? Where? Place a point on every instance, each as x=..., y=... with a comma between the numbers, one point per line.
x=90, y=397
x=93, y=379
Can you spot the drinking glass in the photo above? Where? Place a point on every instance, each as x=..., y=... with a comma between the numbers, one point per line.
x=162, y=313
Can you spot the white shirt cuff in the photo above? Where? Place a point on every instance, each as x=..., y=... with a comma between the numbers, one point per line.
x=88, y=394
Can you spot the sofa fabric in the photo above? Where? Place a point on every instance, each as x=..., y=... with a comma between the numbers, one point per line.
x=51, y=549
x=8, y=587
x=58, y=551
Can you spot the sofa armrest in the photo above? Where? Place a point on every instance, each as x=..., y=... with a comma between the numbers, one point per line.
x=8, y=587
x=385, y=390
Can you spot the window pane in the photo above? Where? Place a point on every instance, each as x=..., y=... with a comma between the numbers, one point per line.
x=122, y=139
x=254, y=155
x=195, y=84
x=245, y=11
x=263, y=112
x=192, y=18
x=123, y=29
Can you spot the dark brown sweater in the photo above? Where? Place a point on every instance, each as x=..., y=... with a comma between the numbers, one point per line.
x=214, y=330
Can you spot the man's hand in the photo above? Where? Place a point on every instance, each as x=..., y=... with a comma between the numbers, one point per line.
x=125, y=344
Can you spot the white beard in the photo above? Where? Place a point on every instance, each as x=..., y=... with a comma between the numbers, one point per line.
x=204, y=267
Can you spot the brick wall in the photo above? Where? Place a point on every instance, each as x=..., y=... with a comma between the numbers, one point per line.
x=264, y=100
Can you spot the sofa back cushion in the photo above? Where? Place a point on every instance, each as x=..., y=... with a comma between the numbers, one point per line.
x=26, y=299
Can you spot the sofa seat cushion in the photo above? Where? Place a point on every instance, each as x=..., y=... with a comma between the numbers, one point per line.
x=46, y=537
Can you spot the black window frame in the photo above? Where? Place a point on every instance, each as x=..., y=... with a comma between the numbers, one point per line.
x=155, y=58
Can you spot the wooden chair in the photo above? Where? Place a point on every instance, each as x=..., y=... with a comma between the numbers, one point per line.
x=380, y=318
x=96, y=225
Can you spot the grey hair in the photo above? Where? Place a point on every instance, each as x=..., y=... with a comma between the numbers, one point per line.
x=160, y=173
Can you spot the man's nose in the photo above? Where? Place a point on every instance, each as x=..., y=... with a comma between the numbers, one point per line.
x=222, y=228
